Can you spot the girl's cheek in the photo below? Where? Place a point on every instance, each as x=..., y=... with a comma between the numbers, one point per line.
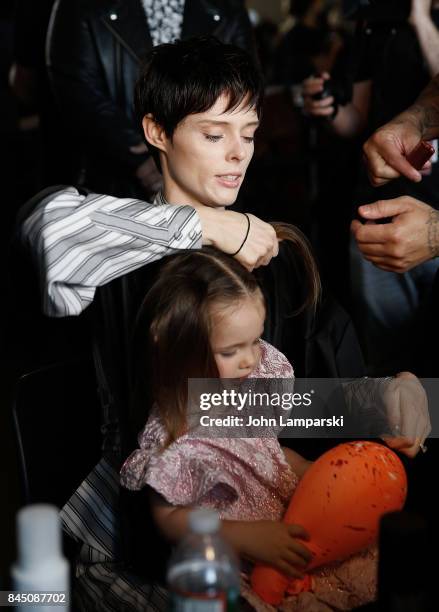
x=259, y=355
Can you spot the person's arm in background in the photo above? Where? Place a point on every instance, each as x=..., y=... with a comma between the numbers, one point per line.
x=409, y=240
x=80, y=242
x=82, y=94
x=413, y=235
x=427, y=33
x=394, y=408
x=385, y=151
x=350, y=119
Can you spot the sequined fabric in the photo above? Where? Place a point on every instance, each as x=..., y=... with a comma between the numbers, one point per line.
x=165, y=19
x=244, y=479
x=337, y=587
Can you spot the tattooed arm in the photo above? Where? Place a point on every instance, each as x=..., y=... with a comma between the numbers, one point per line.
x=386, y=150
x=425, y=112
x=410, y=239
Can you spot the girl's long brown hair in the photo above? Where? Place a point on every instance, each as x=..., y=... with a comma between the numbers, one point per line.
x=298, y=243
x=171, y=338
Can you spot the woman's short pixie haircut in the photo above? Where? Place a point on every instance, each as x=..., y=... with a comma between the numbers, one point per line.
x=188, y=76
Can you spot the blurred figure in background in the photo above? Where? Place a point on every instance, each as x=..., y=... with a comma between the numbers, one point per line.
x=397, y=53
x=312, y=159
x=282, y=181
x=9, y=135
x=266, y=34
x=94, y=52
x=58, y=149
x=310, y=46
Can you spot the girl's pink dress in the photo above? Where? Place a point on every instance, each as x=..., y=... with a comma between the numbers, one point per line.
x=244, y=479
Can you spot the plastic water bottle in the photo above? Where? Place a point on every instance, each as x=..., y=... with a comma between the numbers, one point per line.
x=40, y=567
x=203, y=573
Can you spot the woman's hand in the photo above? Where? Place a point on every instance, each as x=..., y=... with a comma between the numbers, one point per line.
x=226, y=230
x=272, y=543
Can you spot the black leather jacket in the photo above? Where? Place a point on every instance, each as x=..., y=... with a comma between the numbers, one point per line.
x=93, y=55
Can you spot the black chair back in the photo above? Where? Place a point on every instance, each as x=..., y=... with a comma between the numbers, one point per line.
x=56, y=419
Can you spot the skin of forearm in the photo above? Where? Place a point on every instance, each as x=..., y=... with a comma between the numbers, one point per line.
x=424, y=114
x=236, y=534
x=171, y=521
x=208, y=223
x=348, y=122
x=428, y=37
x=433, y=233
x=173, y=524
x=351, y=119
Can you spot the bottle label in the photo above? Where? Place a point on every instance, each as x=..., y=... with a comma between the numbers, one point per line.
x=199, y=602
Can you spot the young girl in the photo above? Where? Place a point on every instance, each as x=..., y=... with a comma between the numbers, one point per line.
x=204, y=318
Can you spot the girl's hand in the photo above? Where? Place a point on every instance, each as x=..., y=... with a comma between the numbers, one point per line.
x=267, y=542
x=276, y=544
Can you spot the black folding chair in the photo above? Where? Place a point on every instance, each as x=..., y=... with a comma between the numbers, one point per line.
x=56, y=419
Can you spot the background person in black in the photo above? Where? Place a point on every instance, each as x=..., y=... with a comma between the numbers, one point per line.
x=60, y=157
x=395, y=60
x=94, y=53
x=413, y=236
x=310, y=46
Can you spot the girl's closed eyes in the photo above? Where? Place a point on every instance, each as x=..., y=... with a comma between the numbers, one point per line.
x=235, y=335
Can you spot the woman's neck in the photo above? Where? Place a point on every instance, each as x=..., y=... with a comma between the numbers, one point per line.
x=176, y=197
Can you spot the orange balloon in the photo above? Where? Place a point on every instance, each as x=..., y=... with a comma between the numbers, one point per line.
x=340, y=501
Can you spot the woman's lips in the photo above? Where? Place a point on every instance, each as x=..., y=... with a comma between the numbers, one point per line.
x=229, y=180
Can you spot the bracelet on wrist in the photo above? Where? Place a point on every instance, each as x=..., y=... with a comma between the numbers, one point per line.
x=245, y=237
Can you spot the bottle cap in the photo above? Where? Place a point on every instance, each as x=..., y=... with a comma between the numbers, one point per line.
x=39, y=534
x=204, y=521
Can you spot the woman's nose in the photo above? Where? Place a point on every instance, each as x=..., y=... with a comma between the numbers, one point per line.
x=237, y=150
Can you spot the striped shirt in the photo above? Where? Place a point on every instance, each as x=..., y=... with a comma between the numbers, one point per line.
x=81, y=242
x=102, y=581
